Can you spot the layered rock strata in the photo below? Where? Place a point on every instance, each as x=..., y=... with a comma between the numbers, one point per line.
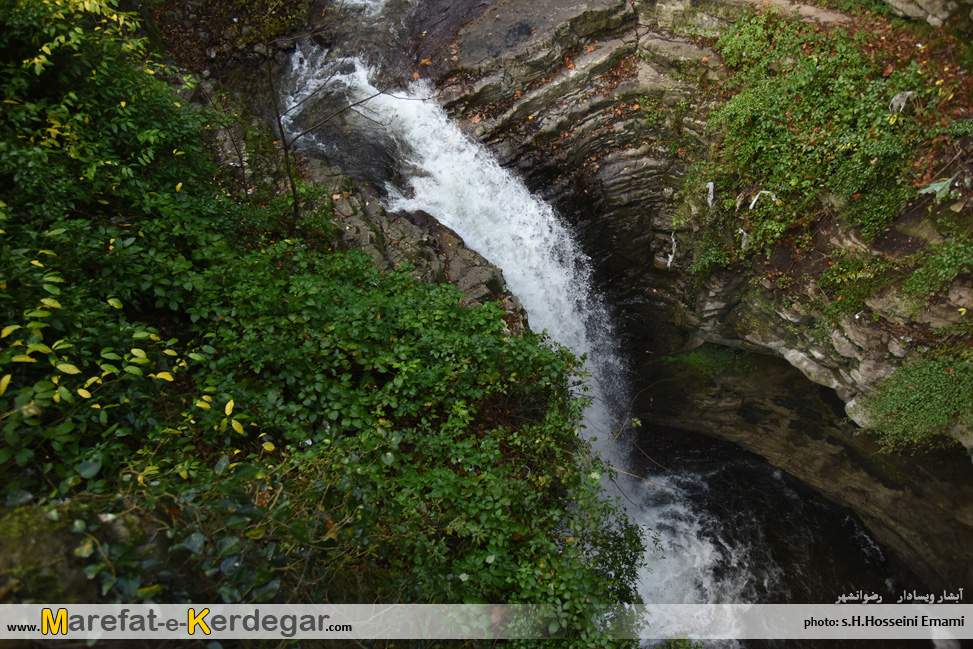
x=599, y=106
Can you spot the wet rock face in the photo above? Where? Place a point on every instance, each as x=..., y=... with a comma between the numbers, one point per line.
x=434, y=252
x=597, y=113
x=599, y=107
x=769, y=408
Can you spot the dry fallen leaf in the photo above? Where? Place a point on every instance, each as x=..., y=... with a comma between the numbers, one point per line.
x=415, y=76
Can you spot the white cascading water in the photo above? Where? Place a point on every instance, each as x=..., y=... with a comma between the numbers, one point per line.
x=462, y=185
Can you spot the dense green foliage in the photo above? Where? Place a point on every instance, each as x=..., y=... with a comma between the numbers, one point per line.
x=812, y=123
x=713, y=360
x=921, y=401
x=268, y=418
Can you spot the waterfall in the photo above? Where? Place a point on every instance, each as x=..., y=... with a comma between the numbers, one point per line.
x=460, y=183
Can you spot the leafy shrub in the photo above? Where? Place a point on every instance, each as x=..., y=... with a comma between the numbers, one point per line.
x=921, y=401
x=850, y=280
x=943, y=263
x=810, y=122
x=270, y=420
x=812, y=116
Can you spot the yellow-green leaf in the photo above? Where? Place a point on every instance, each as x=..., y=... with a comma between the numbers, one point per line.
x=237, y=426
x=9, y=330
x=184, y=475
x=178, y=186
x=165, y=376
x=5, y=381
x=84, y=393
x=115, y=302
x=23, y=358
x=138, y=352
x=50, y=303
x=68, y=368
x=228, y=410
x=202, y=404
x=269, y=446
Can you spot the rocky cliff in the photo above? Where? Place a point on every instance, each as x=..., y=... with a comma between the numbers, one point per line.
x=601, y=106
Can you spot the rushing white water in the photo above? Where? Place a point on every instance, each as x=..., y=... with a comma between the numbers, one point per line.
x=372, y=7
x=462, y=185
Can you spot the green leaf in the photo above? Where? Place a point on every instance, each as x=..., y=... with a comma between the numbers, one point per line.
x=93, y=570
x=194, y=543
x=67, y=368
x=50, y=288
x=24, y=456
x=9, y=330
x=940, y=188
x=18, y=498
x=90, y=468
x=266, y=592
x=87, y=547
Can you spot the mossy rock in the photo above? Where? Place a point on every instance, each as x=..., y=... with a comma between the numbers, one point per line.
x=37, y=561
